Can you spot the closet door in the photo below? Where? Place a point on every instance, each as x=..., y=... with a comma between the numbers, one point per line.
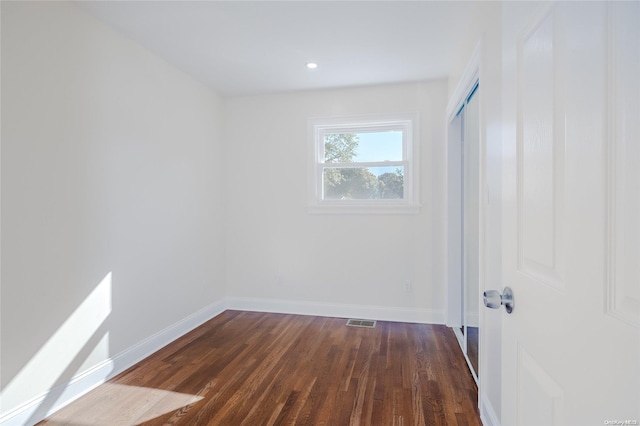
x=471, y=227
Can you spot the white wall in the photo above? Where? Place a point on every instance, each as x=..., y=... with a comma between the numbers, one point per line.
x=485, y=28
x=111, y=173
x=280, y=257
x=131, y=194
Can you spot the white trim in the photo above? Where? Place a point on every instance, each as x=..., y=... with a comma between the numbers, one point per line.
x=408, y=122
x=31, y=411
x=487, y=413
x=65, y=393
x=620, y=304
x=471, y=76
x=379, y=313
x=360, y=208
x=468, y=79
x=461, y=340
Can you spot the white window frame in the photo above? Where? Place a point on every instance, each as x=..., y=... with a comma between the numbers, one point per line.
x=408, y=123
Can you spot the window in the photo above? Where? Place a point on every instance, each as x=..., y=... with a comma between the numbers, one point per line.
x=365, y=164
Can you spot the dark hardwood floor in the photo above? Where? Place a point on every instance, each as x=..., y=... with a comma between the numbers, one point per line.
x=248, y=368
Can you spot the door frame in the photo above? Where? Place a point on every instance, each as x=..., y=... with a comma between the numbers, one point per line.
x=470, y=77
x=467, y=81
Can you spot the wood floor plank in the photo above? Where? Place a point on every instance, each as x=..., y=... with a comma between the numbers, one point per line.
x=250, y=368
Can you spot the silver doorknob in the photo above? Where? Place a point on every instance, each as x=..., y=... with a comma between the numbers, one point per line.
x=493, y=299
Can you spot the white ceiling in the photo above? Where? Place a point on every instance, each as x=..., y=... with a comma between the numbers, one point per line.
x=251, y=47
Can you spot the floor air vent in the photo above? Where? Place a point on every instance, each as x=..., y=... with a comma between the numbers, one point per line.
x=361, y=323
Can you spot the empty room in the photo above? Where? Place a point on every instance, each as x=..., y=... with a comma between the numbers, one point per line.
x=319, y=213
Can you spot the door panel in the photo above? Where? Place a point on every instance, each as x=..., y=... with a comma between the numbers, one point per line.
x=624, y=278
x=534, y=384
x=540, y=159
x=571, y=208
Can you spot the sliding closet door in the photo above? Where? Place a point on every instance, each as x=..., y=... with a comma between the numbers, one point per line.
x=470, y=227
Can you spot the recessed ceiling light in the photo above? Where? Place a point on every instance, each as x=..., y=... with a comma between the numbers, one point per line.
x=312, y=65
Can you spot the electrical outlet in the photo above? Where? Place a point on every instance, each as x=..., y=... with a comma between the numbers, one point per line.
x=408, y=286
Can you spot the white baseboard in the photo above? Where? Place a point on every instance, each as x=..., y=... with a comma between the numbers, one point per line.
x=65, y=393
x=487, y=414
x=380, y=313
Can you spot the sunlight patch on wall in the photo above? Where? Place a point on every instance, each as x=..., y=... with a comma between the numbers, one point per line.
x=60, y=352
x=114, y=404
x=98, y=354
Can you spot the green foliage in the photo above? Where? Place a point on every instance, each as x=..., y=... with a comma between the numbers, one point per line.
x=340, y=147
x=391, y=185
x=348, y=183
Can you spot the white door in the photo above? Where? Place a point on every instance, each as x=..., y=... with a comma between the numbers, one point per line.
x=571, y=241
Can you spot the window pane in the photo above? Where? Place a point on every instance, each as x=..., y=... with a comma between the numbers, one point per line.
x=363, y=146
x=363, y=183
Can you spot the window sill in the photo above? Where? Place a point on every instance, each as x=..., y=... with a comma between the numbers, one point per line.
x=364, y=208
